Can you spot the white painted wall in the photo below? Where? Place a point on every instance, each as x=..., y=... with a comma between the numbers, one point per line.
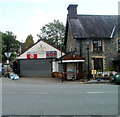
x=55, y=66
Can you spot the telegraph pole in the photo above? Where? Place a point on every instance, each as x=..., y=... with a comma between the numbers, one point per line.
x=61, y=66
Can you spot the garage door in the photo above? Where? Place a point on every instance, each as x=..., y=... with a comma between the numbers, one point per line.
x=34, y=67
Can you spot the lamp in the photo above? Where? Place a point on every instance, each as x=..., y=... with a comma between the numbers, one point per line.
x=87, y=43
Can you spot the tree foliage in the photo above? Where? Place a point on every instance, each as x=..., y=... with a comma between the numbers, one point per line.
x=53, y=33
x=0, y=47
x=9, y=44
x=29, y=41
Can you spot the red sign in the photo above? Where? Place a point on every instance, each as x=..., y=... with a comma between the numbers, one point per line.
x=51, y=54
x=31, y=56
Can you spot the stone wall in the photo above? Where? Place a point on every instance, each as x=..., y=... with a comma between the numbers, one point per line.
x=109, y=53
x=72, y=44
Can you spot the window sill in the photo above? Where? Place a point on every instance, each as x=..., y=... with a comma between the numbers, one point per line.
x=97, y=51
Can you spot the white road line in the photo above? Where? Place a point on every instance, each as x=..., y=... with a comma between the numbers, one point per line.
x=95, y=92
x=102, y=92
x=12, y=92
x=42, y=93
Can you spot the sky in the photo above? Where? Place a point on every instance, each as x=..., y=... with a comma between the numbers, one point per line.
x=25, y=17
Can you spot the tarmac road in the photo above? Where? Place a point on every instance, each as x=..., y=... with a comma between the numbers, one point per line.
x=48, y=96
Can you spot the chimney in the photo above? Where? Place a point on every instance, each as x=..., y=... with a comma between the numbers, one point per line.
x=72, y=11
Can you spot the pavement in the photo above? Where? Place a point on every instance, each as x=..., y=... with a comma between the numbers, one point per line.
x=34, y=80
x=51, y=80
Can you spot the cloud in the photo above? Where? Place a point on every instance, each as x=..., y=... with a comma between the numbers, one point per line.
x=22, y=1
x=46, y=11
x=40, y=18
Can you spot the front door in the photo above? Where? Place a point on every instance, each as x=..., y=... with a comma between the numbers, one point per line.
x=98, y=64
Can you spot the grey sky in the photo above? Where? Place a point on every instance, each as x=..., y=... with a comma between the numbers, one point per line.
x=24, y=17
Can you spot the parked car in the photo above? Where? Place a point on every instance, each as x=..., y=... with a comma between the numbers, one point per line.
x=116, y=78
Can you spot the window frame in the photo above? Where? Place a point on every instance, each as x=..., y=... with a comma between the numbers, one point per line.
x=119, y=45
x=97, y=46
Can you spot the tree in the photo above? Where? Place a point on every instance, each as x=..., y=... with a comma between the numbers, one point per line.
x=9, y=44
x=29, y=41
x=0, y=47
x=53, y=33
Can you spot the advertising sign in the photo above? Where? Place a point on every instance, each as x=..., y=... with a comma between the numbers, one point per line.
x=51, y=54
x=32, y=55
x=93, y=72
x=8, y=54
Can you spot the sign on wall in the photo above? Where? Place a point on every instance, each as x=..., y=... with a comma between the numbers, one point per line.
x=51, y=54
x=31, y=55
x=41, y=49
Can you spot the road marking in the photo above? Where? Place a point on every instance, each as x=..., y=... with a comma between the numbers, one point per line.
x=12, y=92
x=95, y=92
x=42, y=93
x=102, y=92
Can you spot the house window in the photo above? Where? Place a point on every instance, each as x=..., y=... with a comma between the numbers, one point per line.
x=97, y=45
x=60, y=67
x=119, y=45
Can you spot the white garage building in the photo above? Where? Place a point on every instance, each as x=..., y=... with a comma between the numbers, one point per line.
x=39, y=60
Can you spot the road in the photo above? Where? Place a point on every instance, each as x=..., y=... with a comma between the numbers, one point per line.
x=51, y=97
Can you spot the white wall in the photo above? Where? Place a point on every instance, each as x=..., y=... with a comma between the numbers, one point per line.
x=55, y=66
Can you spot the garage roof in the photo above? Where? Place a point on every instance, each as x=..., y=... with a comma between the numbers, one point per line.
x=40, y=48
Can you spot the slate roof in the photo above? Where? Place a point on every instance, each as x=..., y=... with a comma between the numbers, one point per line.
x=93, y=26
x=69, y=56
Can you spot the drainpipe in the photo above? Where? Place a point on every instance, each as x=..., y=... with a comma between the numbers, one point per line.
x=88, y=56
x=80, y=48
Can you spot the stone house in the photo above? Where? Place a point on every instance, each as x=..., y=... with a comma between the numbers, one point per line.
x=94, y=38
